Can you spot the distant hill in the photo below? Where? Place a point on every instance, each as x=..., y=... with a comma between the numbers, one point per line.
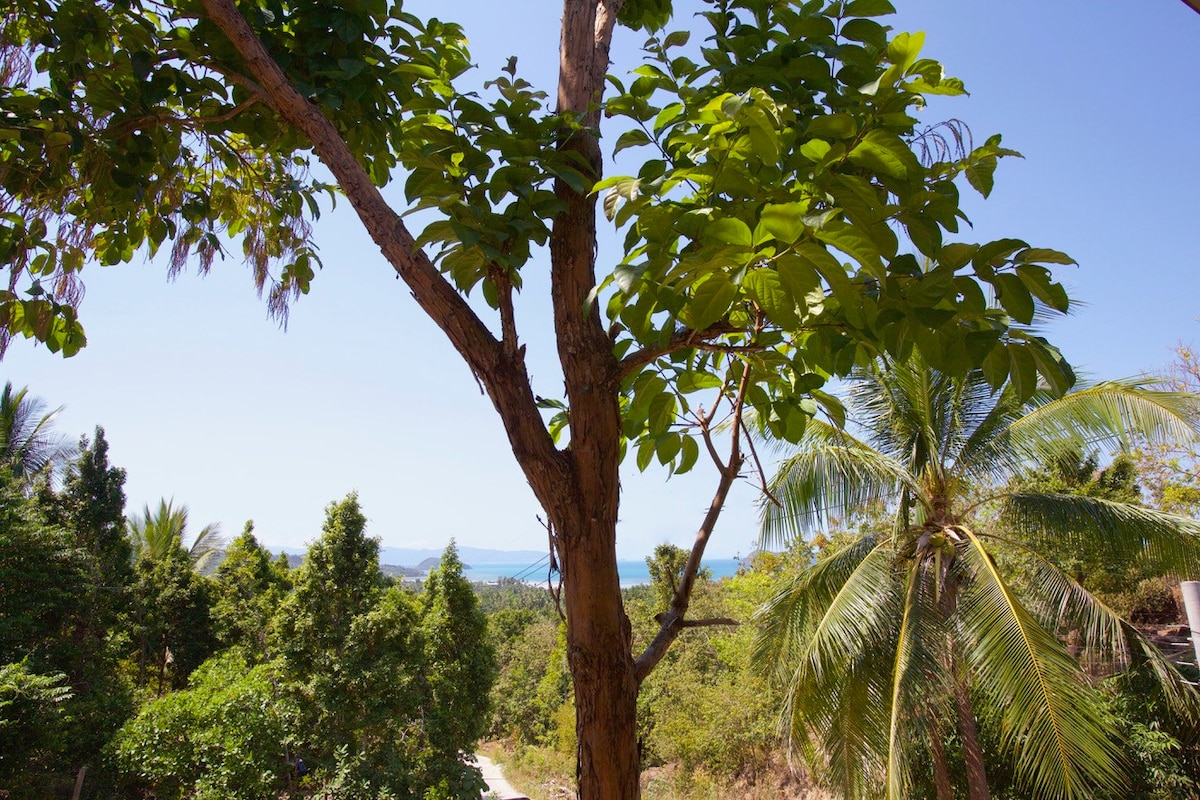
x=469, y=555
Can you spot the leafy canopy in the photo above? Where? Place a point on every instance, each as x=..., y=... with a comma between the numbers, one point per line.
x=776, y=231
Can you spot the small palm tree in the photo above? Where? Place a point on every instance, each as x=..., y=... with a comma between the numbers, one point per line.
x=28, y=443
x=887, y=647
x=155, y=535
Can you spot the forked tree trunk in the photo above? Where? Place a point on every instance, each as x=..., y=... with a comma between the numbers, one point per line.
x=579, y=488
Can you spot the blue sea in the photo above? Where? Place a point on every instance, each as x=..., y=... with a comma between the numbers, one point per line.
x=632, y=572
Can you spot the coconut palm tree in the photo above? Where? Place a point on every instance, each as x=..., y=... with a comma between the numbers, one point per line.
x=889, y=646
x=155, y=535
x=28, y=443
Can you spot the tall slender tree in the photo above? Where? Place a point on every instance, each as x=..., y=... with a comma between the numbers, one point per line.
x=888, y=646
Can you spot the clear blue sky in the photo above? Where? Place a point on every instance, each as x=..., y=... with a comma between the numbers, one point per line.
x=207, y=401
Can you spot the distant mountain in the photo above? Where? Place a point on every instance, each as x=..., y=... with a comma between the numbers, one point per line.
x=474, y=556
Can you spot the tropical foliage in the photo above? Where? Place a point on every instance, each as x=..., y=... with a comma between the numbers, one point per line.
x=780, y=159
x=28, y=443
x=892, y=648
x=157, y=534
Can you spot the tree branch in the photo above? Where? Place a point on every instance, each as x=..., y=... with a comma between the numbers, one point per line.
x=673, y=621
x=681, y=340
x=710, y=622
x=504, y=375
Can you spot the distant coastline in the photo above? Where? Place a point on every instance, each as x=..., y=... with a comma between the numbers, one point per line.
x=482, y=565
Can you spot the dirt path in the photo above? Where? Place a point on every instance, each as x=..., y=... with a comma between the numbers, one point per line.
x=498, y=788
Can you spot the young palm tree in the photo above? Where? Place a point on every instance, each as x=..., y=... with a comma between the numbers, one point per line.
x=28, y=443
x=887, y=646
x=157, y=534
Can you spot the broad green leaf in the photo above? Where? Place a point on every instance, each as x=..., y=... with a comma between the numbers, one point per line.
x=1041, y=284
x=851, y=241
x=868, y=8
x=694, y=381
x=689, y=453
x=633, y=137
x=709, y=302
x=904, y=49
x=799, y=279
x=1022, y=372
x=729, y=230
x=784, y=221
x=1014, y=297
x=1042, y=255
x=765, y=288
x=832, y=126
x=886, y=153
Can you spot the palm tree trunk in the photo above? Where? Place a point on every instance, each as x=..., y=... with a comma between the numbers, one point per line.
x=968, y=729
x=941, y=773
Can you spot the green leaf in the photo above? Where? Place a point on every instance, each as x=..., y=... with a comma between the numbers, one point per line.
x=853, y=243
x=886, y=153
x=676, y=39
x=730, y=230
x=1022, y=372
x=1040, y=283
x=1014, y=297
x=690, y=451
x=1042, y=255
x=832, y=126
x=766, y=288
x=694, y=381
x=904, y=49
x=868, y=8
x=981, y=175
x=784, y=221
x=634, y=137
x=709, y=302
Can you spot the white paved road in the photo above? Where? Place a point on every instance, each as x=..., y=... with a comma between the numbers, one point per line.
x=498, y=788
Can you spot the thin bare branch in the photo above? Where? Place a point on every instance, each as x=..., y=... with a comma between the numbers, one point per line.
x=673, y=619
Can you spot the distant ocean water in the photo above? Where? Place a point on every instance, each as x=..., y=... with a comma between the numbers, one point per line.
x=632, y=572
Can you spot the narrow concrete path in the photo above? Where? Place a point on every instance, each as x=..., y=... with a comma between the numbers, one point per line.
x=498, y=788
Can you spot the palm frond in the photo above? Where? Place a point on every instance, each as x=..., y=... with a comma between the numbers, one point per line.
x=206, y=547
x=1166, y=542
x=1061, y=601
x=918, y=694
x=1108, y=414
x=1052, y=722
x=831, y=473
x=826, y=637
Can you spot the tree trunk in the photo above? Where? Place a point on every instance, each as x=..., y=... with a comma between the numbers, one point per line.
x=602, y=667
x=941, y=772
x=968, y=729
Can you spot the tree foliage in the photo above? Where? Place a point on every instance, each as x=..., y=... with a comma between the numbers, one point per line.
x=884, y=647
x=783, y=159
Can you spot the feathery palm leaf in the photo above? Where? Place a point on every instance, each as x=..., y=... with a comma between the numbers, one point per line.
x=1165, y=542
x=934, y=444
x=159, y=533
x=1051, y=721
x=1112, y=413
x=28, y=443
x=831, y=473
